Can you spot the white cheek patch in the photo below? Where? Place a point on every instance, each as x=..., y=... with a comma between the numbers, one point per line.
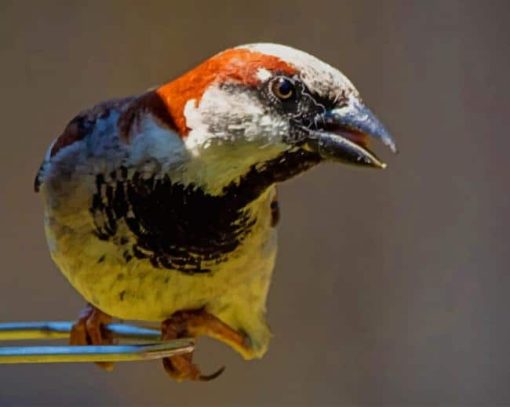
x=228, y=113
x=230, y=131
x=198, y=134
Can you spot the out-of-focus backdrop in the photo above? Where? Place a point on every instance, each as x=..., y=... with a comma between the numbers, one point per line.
x=392, y=287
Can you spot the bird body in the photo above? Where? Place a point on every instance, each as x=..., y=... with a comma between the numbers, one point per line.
x=95, y=248
x=166, y=201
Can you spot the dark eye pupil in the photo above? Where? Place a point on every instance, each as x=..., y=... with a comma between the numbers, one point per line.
x=283, y=88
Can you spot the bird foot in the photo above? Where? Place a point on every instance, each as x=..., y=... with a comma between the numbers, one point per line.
x=89, y=330
x=181, y=368
x=190, y=324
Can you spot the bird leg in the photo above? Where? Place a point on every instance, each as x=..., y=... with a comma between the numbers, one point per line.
x=89, y=330
x=190, y=324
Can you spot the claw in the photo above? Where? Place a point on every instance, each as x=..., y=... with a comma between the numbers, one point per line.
x=212, y=376
x=181, y=368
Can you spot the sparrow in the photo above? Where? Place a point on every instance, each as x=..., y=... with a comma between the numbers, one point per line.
x=162, y=206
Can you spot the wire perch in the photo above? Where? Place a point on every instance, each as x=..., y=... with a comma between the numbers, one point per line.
x=151, y=347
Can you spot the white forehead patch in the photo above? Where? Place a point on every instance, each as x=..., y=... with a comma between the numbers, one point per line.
x=263, y=74
x=316, y=74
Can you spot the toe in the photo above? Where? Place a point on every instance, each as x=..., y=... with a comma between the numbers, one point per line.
x=89, y=330
x=78, y=334
x=181, y=368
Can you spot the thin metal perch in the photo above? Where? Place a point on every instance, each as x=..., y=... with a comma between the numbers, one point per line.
x=153, y=348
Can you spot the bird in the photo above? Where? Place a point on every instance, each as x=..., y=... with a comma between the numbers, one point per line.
x=162, y=207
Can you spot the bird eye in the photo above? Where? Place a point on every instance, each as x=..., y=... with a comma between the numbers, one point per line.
x=282, y=88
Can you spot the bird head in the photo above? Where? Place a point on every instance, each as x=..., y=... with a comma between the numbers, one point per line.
x=254, y=103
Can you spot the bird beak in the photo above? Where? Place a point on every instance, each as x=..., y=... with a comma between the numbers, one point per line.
x=345, y=135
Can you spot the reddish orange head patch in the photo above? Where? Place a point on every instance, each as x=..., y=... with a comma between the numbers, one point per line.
x=235, y=65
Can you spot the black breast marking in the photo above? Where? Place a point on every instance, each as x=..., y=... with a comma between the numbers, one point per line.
x=275, y=212
x=173, y=226
x=182, y=227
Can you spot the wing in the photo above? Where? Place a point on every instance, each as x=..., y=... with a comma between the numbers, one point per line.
x=125, y=112
x=79, y=128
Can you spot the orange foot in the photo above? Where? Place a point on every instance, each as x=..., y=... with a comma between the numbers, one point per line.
x=190, y=324
x=89, y=330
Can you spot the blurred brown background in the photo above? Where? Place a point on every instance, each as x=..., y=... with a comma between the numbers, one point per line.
x=391, y=287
